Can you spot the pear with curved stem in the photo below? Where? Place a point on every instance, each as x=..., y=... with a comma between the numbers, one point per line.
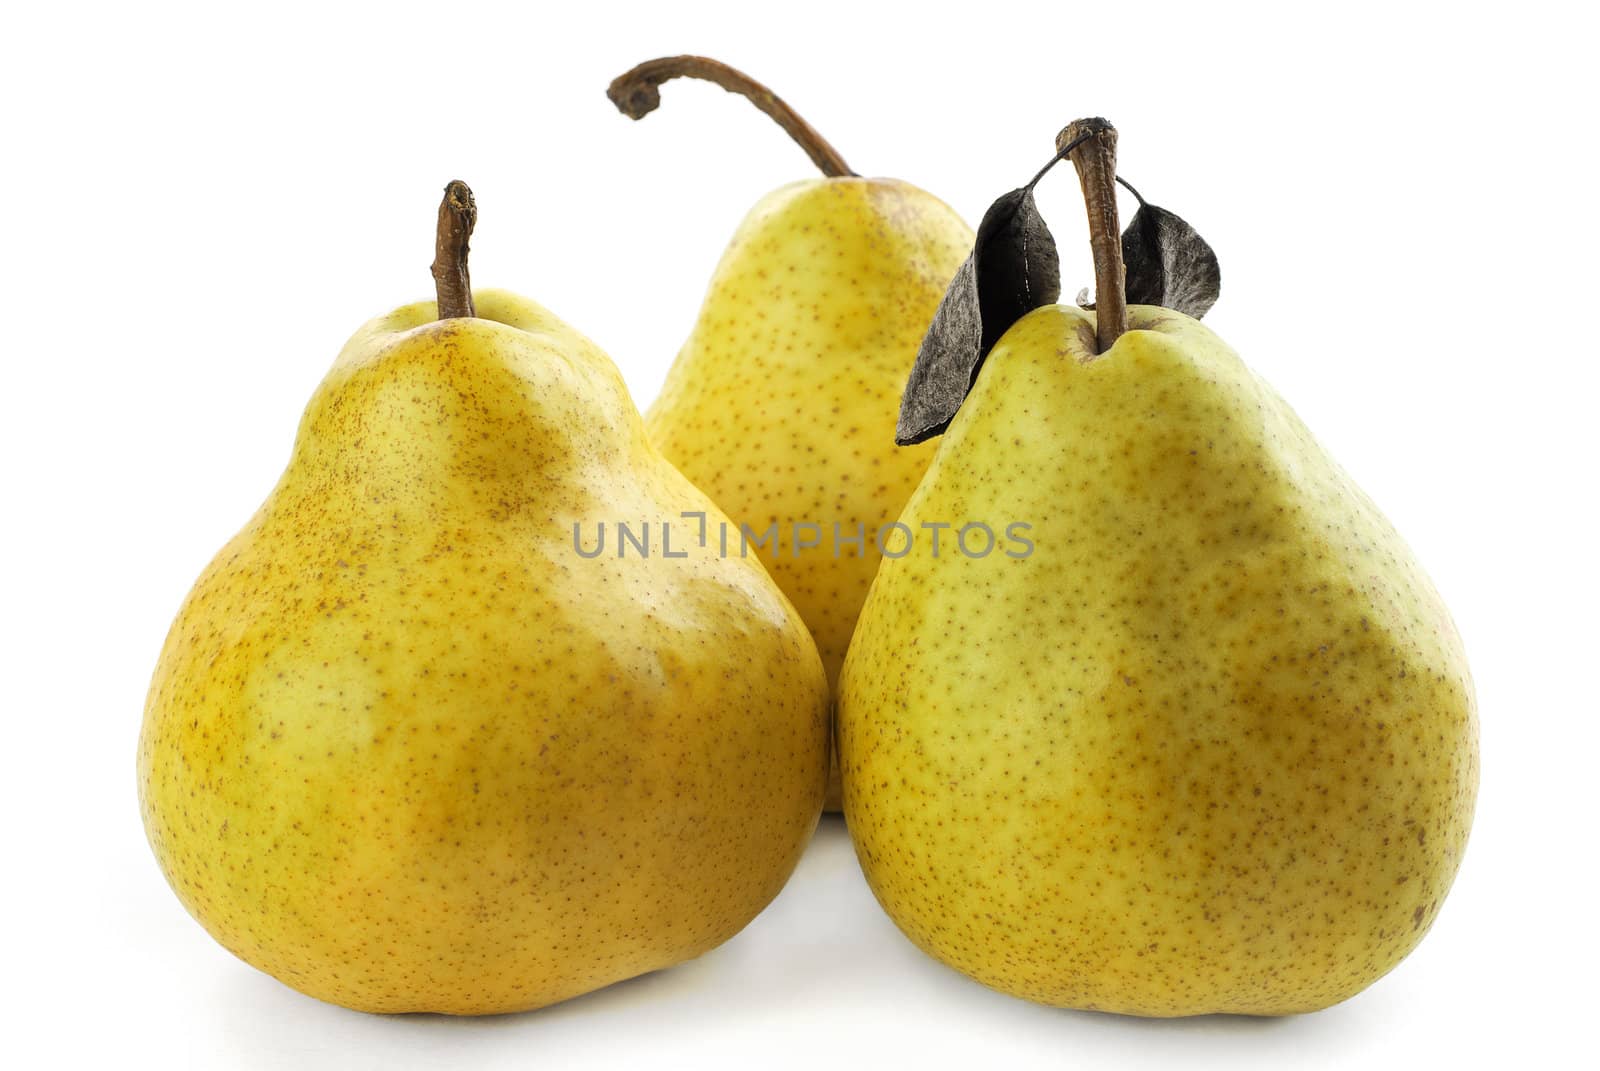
x=781, y=405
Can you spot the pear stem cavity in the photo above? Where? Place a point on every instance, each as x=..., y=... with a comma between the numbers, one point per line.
x=458, y=214
x=1095, y=157
x=636, y=94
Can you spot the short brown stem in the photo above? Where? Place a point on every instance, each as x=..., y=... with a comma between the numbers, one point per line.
x=636, y=94
x=458, y=214
x=1096, y=161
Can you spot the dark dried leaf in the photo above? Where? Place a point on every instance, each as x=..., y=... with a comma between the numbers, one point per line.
x=1169, y=264
x=1013, y=269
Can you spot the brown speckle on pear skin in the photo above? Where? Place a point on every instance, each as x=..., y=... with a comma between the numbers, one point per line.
x=405, y=750
x=1180, y=759
x=782, y=404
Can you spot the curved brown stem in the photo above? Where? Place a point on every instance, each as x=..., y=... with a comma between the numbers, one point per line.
x=1095, y=157
x=458, y=214
x=636, y=94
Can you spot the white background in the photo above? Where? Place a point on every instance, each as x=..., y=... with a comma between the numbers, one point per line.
x=200, y=205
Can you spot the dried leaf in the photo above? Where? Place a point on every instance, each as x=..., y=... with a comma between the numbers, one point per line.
x=1168, y=263
x=1012, y=270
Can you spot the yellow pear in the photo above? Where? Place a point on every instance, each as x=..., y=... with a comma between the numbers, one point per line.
x=1202, y=740
x=781, y=405
x=413, y=745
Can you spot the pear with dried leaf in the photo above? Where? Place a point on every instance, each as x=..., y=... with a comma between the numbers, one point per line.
x=1212, y=745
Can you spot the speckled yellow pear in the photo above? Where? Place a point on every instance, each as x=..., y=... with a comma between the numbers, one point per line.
x=781, y=405
x=1210, y=747
x=407, y=750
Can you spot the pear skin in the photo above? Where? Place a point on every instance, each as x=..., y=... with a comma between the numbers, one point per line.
x=1210, y=747
x=407, y=750
x=782, y=404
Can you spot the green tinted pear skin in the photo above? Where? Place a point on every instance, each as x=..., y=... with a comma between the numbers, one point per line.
x=1211, y=747
x=407, y=750
x=781, y=406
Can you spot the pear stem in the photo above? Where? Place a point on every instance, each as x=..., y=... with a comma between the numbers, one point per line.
x=458, y=214
x=1095, y=157
x=636, y=94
